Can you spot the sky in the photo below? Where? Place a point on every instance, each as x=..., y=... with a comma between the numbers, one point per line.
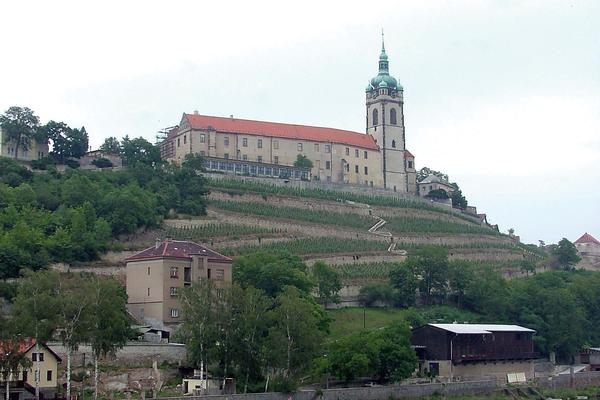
x=504, y=96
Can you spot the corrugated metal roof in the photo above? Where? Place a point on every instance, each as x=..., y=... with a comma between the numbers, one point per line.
x=480, y=328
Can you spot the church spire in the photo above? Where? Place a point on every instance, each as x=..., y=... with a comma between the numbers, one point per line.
x=383, y=58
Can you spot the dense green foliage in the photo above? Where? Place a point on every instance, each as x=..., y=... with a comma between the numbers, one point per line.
x=328, y=282
x=303, y=162
x=423, y=225
x=50, y=217
x=220, y=229
x=566, y=254
x=313, y=245
x=385, y=355
x=240, y=186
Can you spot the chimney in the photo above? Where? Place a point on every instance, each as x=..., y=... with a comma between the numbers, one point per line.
x=195, y=112
x=231, y=116
x=157, y=243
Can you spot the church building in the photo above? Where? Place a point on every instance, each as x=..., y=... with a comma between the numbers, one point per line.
x=375, y=158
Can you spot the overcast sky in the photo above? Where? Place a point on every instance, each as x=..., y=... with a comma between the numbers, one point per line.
x=504, y=96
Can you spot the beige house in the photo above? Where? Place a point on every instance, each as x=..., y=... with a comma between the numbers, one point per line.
x=155, y=276
x=587, y=245
x=44, y=360
x=34, y=152
x=433, y=182
x=377, y=158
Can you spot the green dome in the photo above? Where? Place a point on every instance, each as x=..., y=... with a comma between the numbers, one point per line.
x=369, y=88
x=390, y=81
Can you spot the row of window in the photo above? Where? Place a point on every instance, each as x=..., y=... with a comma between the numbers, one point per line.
x=218, y=274
x=37, y=375
x=252, y=169
x=393, y=117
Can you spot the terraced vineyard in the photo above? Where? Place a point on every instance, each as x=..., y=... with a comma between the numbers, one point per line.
x=423, y=225
x=377, y=270
x=209, y=231
x=350, y=220
x=313, y=245
x=240, y=186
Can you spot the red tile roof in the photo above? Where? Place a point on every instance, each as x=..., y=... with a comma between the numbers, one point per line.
x=178, y=249
x=25, y=345
x=279, y=130
x=587, y=238
x=408, y=154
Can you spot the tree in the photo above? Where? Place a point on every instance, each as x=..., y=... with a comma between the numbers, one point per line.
x=75, y=309
x=425, y=172
x=37, y=306
x=67, y=142
x=111, y=145
x=460, y=279
x=458, y=200
x=431, y=264
x=303, y=162
x=373, y=293
x=528, y=266
x=109, y=326
x=139, y=150
x=566, y=254
x=20, y=125
x=405, y=282
x=12, y=358
x=271, y=272
x=199, y=329
x=102, y=162
x=294, y=337
x=328, y=282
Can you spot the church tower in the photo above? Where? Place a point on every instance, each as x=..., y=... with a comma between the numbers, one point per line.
x=385, y=122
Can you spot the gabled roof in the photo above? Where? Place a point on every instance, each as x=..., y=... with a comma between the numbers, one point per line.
x=280, y=130
x=177, y=249
x=480, y=328
x=587, y=238
x=27, y=344
x=408, y=154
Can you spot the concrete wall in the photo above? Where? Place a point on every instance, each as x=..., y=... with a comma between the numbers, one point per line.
x=131, y=354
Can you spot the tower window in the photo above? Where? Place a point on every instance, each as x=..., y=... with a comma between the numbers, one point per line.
x=202, y=138
x=375, y=117
x=366, y=171
x=394, y=144
x=410, y=165
x=393, y=116
x=184, y=139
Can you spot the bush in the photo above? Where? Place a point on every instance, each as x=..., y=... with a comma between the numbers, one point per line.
x=43, y=163
x=102, y=162
x=375, y=293
x=438, y=194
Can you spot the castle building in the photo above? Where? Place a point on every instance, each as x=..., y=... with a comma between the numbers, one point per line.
x=376, y=158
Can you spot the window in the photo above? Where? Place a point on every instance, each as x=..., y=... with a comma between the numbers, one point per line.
x=174, y=313
x=366, y=171
x=347, y=167
x=316, y=147
x=245, y=157
x=356, y=169
x=173, y=292
x=328, y=178
x=226, y=156
x=184, y=139
x=259, y=158
x=148, y=291
x=394, y=144
x=37, y=356
x=347, y=151
x=375, y=117
x=366, y=155
x=356, y=153
x=219, y=275
x=202, y=138
x=275, y=159
x=276, y=144
x=327, y=148
x=299, y=146
x=202, y=153
x=178, y=142
x=245, y=142
x=410, y=164
x=393, y=116
x=327, y=164
x=148, y=270
x=48, y=375
x=174, y=272
x=259, y=143
x=226, y=140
